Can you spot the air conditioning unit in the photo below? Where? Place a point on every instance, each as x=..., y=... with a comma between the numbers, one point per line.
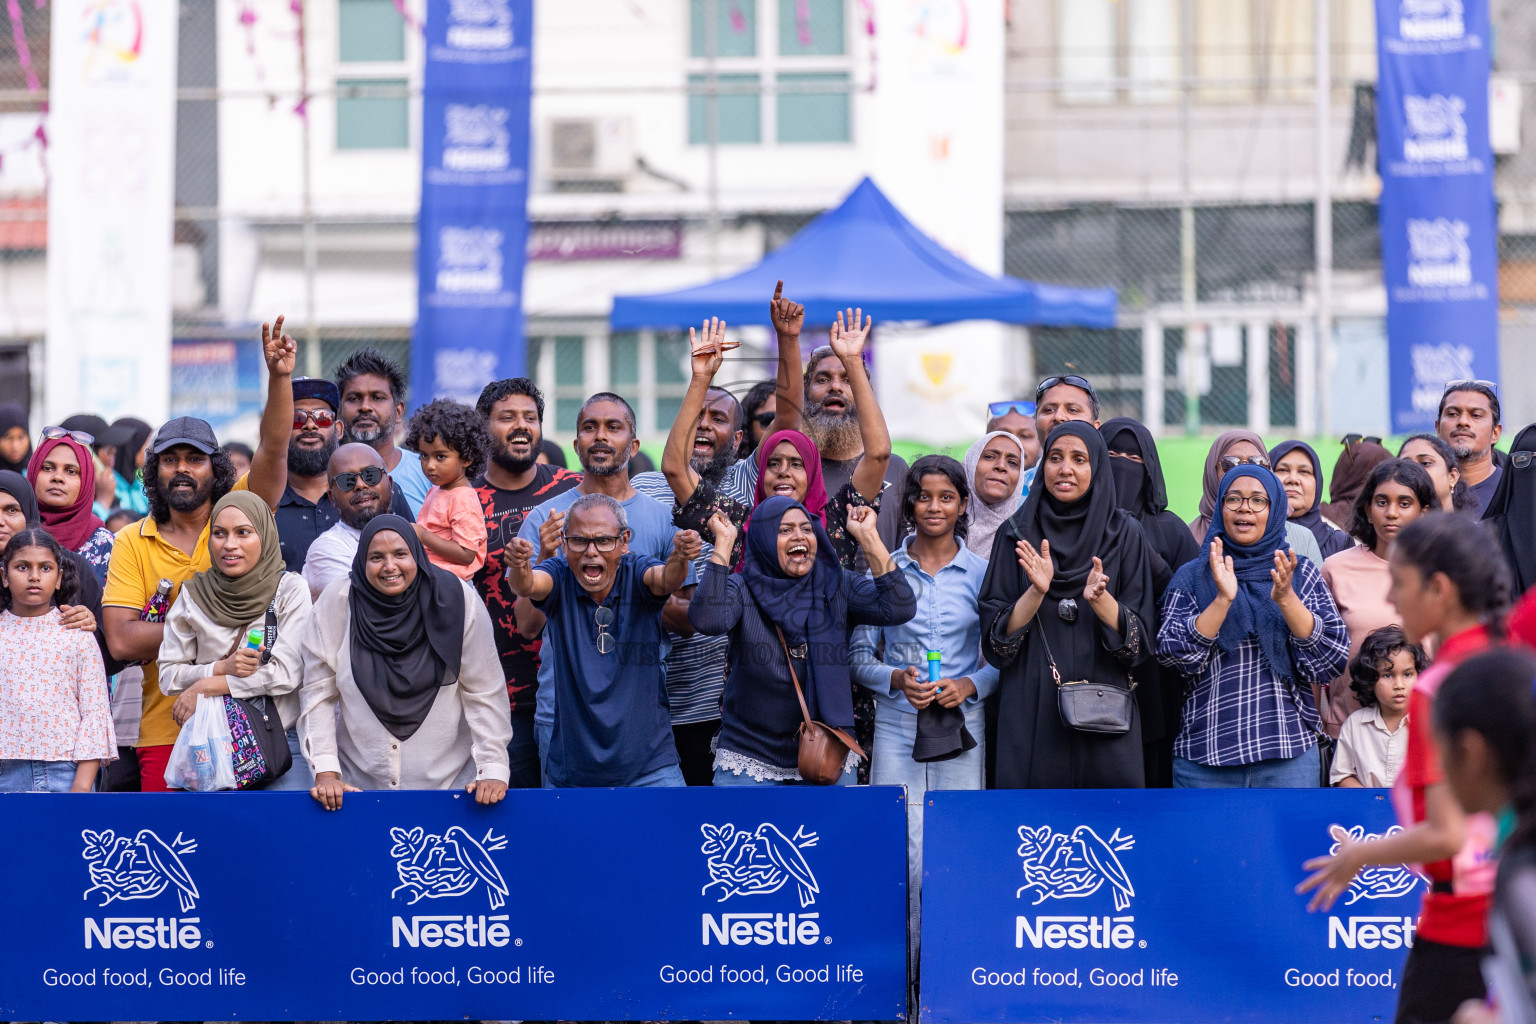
x=588, y=150
x=1504, y=104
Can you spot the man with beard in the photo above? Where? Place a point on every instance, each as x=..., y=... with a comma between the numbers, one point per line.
x=185, y=473
x=306, y=509
x=514, y=482
x=605, y=442
x=1469, y=422
x=372, y=401
x=358, y=490
x=696, y=666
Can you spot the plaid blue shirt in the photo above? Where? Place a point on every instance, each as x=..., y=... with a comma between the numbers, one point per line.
x=1235, y=711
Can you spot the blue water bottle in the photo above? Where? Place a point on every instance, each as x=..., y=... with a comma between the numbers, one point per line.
x=934, y=674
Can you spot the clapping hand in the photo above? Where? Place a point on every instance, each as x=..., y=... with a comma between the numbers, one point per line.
x=848, y=337
x=787, y=317
x=1037, y=565
x=707, y=348
x=1281, y=574
x=278, y=349
x=1222, y=572
x=1098, y=583
x=551, y=535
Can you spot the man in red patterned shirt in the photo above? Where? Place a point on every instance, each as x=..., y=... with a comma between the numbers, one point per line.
x=514, y=482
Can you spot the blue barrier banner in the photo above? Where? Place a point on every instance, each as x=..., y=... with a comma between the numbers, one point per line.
x=649, y=904
x=473, y=228
x=1155, y=905
x=1439, y=224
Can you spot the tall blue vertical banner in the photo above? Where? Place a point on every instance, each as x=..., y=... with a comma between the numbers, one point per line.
x=1439, y=227
x=473, y=228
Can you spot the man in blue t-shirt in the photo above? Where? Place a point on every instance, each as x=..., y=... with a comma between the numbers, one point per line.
x=602, y=640
x=605, y=442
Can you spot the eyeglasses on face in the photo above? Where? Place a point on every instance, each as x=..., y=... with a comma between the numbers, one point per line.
x=1064, y=378
x=1231, y=462
x=602, y=619
x=322, y=418
x=1234, y=502
x=59, y=433
x=579, y=545
x=1023, y=408
x=764, y=419
x=371, y=476
x=1521, y=459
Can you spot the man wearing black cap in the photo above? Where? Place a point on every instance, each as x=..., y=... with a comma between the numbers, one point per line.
x=185, y=473
x=107, y=441
x=306, y=509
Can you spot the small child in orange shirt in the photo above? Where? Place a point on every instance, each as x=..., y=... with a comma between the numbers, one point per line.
x=453, y=445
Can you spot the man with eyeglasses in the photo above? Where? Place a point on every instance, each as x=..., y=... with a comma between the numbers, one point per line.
x=605, y=442
x=603, y=606
x=1018, y=419
x=359, y=489
x=1468, y=420
x=306, y=509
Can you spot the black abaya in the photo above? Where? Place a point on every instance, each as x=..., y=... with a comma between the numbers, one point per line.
x=1035, y=750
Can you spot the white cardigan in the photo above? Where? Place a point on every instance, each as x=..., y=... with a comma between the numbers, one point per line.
x=464, y=737
x=192, y=642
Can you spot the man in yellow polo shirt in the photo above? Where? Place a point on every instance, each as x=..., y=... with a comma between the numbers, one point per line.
x=185, y=473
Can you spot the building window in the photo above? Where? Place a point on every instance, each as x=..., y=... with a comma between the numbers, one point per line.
x=738, y=101
x=793, y=89
x=368, y=121
x=570, y=388
x=371, y=31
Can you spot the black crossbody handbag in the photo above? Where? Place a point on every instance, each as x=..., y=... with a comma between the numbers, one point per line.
x=1086, y=706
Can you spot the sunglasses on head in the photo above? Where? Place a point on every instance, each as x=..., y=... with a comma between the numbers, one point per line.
x=1064, y=378
x=59, y=433
x=346, y=482
x=1231, y=462
x=1470, y=385
x=997, y=409
x=323, y=418
x=1350, y=440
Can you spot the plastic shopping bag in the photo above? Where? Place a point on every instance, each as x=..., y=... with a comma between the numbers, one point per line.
x=202, y=759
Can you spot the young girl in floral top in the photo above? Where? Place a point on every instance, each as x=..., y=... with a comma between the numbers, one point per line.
x=55, y=722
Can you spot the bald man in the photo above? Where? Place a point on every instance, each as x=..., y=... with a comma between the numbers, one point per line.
x=359, y=487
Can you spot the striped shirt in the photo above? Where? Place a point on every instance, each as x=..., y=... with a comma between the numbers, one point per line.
x=1235, y=711
x=696, y=666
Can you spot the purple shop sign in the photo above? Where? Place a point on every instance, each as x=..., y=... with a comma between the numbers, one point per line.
x=625, y=240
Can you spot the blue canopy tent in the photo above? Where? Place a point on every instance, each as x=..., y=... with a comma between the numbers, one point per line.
x=865, y=253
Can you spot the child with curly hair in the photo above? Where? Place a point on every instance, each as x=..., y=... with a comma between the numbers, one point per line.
x=1372, y=740
x=453, y=445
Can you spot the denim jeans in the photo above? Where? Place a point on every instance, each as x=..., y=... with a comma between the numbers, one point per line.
x=544, y=734
x=667, y=776
x=1299, y=772
x=36, y=776
x=297, y=778
x=895, y=732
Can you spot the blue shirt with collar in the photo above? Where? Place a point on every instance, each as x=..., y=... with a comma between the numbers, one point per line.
x=946, y=620
x=651, y=530
x=613, y=725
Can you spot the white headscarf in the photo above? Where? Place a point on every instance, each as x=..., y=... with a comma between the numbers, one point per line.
x=985, y=519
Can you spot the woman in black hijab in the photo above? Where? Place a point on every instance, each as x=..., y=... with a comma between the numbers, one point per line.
x=403, y=688
x=1070, y=587
x=1293, y=462
x=1511, y=512
x=15, y=440
x=1142, y=494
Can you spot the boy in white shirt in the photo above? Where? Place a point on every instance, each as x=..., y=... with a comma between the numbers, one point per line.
x=1372, y=741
